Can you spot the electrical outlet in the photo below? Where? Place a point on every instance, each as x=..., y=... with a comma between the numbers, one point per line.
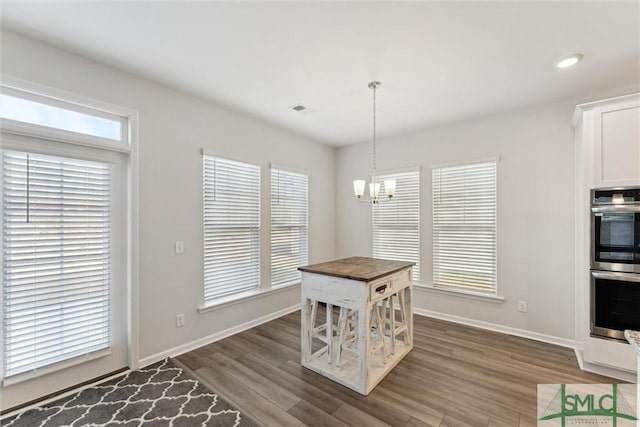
x=522, y=306
x=179, y=247
x=179, y=320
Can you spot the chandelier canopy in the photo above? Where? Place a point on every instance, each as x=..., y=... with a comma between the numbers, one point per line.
x=374, y=185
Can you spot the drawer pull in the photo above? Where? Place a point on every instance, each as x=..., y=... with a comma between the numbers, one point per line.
x=381, y=289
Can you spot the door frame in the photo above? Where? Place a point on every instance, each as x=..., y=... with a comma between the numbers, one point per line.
x=18, y=140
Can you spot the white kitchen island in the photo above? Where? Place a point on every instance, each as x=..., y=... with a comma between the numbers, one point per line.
x=367, y=325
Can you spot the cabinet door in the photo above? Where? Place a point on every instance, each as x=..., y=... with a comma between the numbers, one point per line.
x=620, y=146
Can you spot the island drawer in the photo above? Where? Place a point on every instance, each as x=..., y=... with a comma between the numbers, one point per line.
x=380, y=290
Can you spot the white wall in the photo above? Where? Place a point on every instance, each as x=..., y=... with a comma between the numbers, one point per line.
x=173, y=127
x=535, y=210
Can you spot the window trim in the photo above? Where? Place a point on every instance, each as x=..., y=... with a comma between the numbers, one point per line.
x=57, y=98
x=459, y=293
x=493, y=295
x=241, y=297
x=495, y=159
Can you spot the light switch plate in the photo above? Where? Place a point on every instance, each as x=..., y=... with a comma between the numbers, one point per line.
x=179, y=247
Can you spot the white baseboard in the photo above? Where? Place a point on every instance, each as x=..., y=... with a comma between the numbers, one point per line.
x=184, y=348
x=578, y=351
x=606, y=371
x=563, y=342
x=603, y=370
x=43, y=402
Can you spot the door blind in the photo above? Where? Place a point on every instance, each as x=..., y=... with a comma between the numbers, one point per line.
x=289, y=219
x=465, y=227
x=57, y=268
x=396, y=223
x=231, y=227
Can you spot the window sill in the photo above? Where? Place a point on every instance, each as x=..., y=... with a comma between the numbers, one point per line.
x=243, y=297
x=496, y=299
x=55, y=367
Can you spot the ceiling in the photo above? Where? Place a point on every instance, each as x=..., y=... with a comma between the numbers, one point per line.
x=438, y=61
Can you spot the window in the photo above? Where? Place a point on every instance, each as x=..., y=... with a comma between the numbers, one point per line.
x=48, y=116
x=465, y=227
x=289, y=225
x=231, y=227
x=57, y=262
x=396, y=223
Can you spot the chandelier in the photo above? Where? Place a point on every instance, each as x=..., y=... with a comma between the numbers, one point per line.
x=374, y=185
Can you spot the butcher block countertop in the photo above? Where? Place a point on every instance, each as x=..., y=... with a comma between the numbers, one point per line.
x=358, y=268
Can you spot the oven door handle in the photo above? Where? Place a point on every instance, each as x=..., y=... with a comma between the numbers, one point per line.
x=626, y=277
x=616, y=209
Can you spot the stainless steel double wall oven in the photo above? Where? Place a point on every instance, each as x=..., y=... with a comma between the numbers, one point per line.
x=615, y=261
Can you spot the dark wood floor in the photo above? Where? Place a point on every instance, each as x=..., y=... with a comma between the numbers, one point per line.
x=455, y=376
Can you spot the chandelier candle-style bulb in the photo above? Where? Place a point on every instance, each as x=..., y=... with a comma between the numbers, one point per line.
x=358, y=187
x=374, y=190
x=390, y=187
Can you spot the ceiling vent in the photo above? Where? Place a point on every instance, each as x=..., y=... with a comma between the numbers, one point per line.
x=299, y=107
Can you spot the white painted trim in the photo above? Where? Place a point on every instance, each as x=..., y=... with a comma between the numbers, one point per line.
x=291, y=169
x=407, y=169
x=133, y=243
x=55, y=367
x=602, y=370
x=63, y=395
x=207, y=153
x=67, y=137
x=496, y=299
x=608, y=371
x=244, y=297
x=578, y=353
x=634, y=97
x=184, y=348
x=495, y=159
x=562, y=342
x=52, y=92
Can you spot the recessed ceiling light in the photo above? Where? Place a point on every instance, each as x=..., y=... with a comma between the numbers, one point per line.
x=299, y=107
x=569, y=60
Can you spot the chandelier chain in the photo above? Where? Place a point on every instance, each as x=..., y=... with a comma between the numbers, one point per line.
x=374, y=135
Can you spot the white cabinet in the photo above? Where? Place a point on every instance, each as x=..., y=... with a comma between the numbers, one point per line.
x=620, y=145
x=607, y=154
x=610, y=134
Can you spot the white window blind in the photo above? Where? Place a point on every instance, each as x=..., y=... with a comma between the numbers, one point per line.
x=289, y=219
x=396, y=223
x=465, y=227
x=231, y=227
x=57, y=268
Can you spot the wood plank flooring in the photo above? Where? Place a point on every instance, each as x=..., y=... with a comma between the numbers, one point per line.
x=455, y=376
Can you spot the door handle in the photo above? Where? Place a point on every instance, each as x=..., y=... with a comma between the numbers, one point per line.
x=616, y=209
x=620, y=277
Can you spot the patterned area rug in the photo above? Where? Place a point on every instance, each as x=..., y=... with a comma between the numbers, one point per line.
x=158, y=395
